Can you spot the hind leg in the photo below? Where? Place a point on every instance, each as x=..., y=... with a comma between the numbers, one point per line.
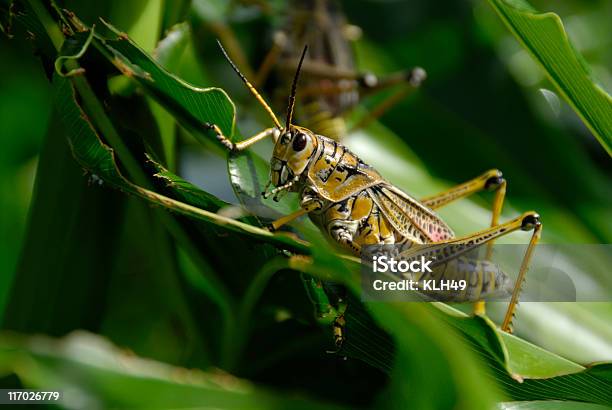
x=491, y=180
x=444, y=251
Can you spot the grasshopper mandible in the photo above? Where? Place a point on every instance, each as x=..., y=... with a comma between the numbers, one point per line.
x=355, y=206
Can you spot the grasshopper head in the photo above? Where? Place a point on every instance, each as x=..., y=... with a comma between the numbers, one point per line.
x=292, y=153
x=295, y=146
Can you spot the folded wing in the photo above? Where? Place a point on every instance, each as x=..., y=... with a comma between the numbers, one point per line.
x=408, y=216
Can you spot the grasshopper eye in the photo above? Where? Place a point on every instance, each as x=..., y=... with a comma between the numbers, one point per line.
x=299, y=142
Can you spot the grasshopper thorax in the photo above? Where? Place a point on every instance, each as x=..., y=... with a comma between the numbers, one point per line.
x=294, y=149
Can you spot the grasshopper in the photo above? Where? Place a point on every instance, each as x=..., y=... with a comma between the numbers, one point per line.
x=331, y=84
x=354, y=206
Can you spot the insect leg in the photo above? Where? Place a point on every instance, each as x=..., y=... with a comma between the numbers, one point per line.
x=444, y=251
x=372, y=84
x=339, y=329
x=306, y=207
x=507, y=323
x=499, y=185
x=325, y=311
x=328, y=89
x=286, y=219
x=232, y=146
x=367, y=82
x=489, y=181
x=408, y=80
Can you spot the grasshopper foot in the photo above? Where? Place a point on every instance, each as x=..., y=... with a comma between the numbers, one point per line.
x=219, y=135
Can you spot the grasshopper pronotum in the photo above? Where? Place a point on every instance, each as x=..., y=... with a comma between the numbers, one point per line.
x=355, y=206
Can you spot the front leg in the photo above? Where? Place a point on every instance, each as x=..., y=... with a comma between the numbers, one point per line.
x=236, y=147
x=308, y=204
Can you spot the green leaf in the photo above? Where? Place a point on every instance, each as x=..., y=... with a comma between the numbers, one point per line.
x=193, y=106
x=99, y=160
x=592, y=385
x=65, y=209
x=543, y=35
x=443, y=372
x=157, y=323
x=168, y=54
x=95, y=374
x=170, y=49
x=249, y=175
x=524, y=371
x=185, y=191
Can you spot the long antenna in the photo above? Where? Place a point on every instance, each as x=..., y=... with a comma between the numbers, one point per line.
x=251, y=88
x=294, y=88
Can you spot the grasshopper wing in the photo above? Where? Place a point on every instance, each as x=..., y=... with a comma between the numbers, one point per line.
x=408, y=216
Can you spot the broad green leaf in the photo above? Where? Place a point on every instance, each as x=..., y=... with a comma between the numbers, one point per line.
x=168, y=54
x=98, y=159
x=194, y=106
x=591, y=385
x=443, y=359
x=543, y=35
x=144, y=18
x=93, y=373
x=170, y=49
x=61, y=194
x=525, y=372
x=533, y=362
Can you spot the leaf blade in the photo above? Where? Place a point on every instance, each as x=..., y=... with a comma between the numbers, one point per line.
x=543, y=35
